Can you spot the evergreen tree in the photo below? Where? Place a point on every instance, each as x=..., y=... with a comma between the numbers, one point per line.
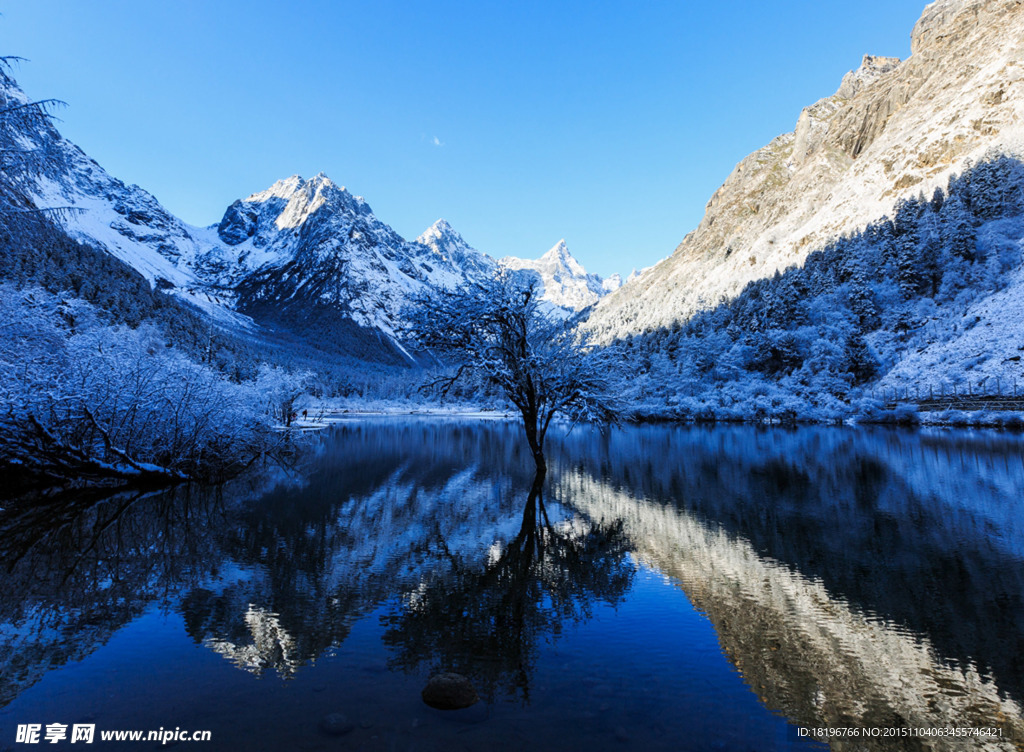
x=861, y=362
x=908, y=266
x=930, y=253
x=957, y=229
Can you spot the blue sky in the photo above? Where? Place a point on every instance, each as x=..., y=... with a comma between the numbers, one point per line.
x=608, y=124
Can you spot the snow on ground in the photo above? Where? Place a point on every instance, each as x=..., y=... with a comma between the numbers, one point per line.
x=322, y=413
x=988, y=344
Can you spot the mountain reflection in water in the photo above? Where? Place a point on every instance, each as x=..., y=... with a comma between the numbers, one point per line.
x=854, y=578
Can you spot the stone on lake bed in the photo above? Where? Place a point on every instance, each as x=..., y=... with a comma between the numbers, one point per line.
x=449, y=692
x=336, y=724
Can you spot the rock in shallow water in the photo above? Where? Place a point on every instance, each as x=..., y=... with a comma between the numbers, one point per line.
x=336, y=724
x=449, y=692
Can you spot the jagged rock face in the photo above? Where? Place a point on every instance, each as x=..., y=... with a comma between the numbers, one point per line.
x=564, y=281
x=311, y=243
x=238, y=225
x=449, y=250
x=892, y=129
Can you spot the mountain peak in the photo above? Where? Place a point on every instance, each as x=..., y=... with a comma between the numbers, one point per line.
x=303, y=197
x=440, y=233
x=287, y=204
x=285, y=187
x=450, y=251
x=296, y=185
x=559, y=251
x=560, y=259
x=565, y=282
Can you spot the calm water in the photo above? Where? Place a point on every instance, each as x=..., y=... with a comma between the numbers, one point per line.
x=665, y=589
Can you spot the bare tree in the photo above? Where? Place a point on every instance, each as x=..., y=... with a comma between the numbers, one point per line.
x=29, y=147
x=25, y=134
x=499, y=329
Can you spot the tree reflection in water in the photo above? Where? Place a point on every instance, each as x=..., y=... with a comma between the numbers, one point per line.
x=75, y=569
x=851, y=576
x=487, y=621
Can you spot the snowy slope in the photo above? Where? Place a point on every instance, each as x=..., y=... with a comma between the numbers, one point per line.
x=306, y=255
x=893, y=129
x=123, y=219
x=980, y=345
x=564, y=281
x=303, y=254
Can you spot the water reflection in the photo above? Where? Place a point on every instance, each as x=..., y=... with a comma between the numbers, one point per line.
x=852, y=577
x=804, y=651
x=365, y=529
x=920, y=529
x=486, y=619
x=75, y=571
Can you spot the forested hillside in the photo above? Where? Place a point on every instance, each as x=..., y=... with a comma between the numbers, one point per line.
x=824, y=339
x=892, y=129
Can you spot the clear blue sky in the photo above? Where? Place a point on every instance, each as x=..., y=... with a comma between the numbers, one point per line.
x=608, y=124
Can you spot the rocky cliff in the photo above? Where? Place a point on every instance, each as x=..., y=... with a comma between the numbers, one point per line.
x=892, y=129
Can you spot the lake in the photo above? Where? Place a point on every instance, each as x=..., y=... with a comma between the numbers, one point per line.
x=663, y=588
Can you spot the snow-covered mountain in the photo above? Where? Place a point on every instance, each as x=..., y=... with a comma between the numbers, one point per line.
x=307, y=250
x=303, y=255
x=449, y=247
x=892, y=130
x=564, y=281
x=565, y=284
x=125, y=220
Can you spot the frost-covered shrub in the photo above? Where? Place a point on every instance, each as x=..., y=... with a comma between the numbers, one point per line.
x=279, y=391
x=84, y=401
x=1012, y=421
x=905, y=415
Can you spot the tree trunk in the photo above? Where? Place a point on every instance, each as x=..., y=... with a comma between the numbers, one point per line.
x=43, y=459
x=533, y=437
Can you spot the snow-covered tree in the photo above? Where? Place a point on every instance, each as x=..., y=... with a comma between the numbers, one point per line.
x=281, y=389
x=543, y=364
x=909, y=266
x=21, y=156
x=82, y=402
x=957, y=229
